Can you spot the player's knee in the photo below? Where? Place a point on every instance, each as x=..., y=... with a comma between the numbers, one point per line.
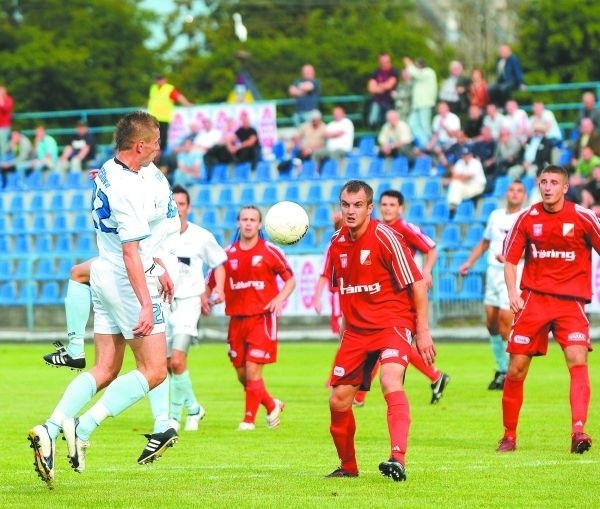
x=79, y=275
x=340, y=401
x=178, y=364
x=156, y=376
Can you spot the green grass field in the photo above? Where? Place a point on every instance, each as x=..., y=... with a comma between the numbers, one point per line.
x=451, y=460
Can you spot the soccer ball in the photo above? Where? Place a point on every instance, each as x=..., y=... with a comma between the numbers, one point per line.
x=286, y=223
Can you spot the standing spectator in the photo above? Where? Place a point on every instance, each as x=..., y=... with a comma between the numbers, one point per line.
x=424, y=97
x=589, y=136
x=498, y=316
x=197, y=248
x=467, y=180
x=6, y=112
x=589, y=109
x=403, y=94
x=381, y=85
x=340, y=138
x=80, y=151
x=556, y=236
x=307, y=92
x=253, y=301
x=493, y=119
x=395, y=138
x=539, y=113
x=509, y=76
x=161, y=101
x=20, y=152
x=45, y=150
x=478, y=89
x=384, y=304
x=454, y=89
x=516, y=120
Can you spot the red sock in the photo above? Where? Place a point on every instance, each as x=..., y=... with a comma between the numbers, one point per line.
x=342, y=430
x=579, y=396
x=398, y=418
x=254, y=392
x=416, y=360
x=512, y=400
x=266, y=399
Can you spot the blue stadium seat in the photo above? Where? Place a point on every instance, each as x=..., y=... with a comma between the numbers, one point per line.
x=501, y=186
x=308, y=171
x=34, y=181
x=314, y=196
x=473, y=236
x=42, y=244
x=465, y=212
x=204, y=197
x=330, y=170
x=432, y=190
x=439, y=213
x=63, y=243
x=429, y=230
x=241, y=172
x=37, y=203
x=40, y=224
x=13, y=182
x=17, y=204
x=270, y=195
x=63, y=271
x=366, y=146
x=82, y=223
x=230, y=219
x=352, y=169
x=447, y=287
x=422, y=166
x=219, y=174
x=225, y=198
x=565, y=157
x=334, y=193
x=383, y=185
x=44, y=269
x=60, y=224
x=8, y=294
x=399, y=167
x=209, y=219
x=85, y=243
x=4, y=244
x=4, y=226
x=6, y=270
x=408, y=189
x=454, y=259
x=450, y=238
x=53, y=180
x=80, y=201
x=279, y=150
x=263, y=172
x=73, y=180
x=247, y=196
x=472, y=288
x=488, y=205
x=21, y=244
x=322, y=217
x=50, y=294
x=529, y=183
x=57, y=202
x=376, y=167
x=27, y=293
x=23, y=269
x=416, y=212
x=19, y=225
x=292, y=192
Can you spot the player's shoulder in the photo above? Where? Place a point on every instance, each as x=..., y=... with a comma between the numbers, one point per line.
x=385, y=234
x=273, y=249
x=585, y=214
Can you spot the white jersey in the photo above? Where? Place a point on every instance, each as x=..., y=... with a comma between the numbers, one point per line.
x=197, y=248
x=499, y=224
x=119, y=212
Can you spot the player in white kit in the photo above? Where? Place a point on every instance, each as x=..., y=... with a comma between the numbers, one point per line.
x=197, y=249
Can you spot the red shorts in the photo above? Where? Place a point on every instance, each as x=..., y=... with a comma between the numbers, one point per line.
x=252, y=338
x=359, y=351
x=543, y=313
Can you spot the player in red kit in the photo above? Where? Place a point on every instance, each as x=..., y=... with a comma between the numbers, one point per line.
x=253, y=301
x=557, y=237
x=384, y=304
x=391, y=206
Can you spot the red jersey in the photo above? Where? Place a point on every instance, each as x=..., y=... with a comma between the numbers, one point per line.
x=372, y=275
x=558, y=256
x=251, y=277
x=415, y=239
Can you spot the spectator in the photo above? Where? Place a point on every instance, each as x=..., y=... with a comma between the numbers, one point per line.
x=20, y=152
x=516, y=121
x=45, y=151
x=189, y=164
x=311, y=136
x=467, y=180
x=537, y=154
x=541, y=114
x=474, y=122
x=306, y=90
x=590, y=194
x=81, y=150
x=340, y=138
x=6, y=111
x=588, y=136
x=446, y=126
x=395, y=138
x=589, y=109
x=494, y=120
x=509, y=76
x=478, y=89
x=454, y=89
x=161, y=100
x=508, y=153
x=424, y=96
x=583, y=171
x=484, y=149
x=403, y=94
x=207, y=137
x=381, y=84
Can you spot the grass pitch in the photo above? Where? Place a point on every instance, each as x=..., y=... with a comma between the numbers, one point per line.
x=451, y=461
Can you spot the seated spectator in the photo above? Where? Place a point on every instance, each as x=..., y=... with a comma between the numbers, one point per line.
x=494, y=120
x=546, y=117
x=484, y=149
x=454, y=88
x=242, y=146
x=206, y=137
x=509, y=76
x=189, y=165
x=466, y=181
x=583, y=171
x=20, y=152
x=516, y=121
x=454, y=153
x=590, y=193
x=445, y=128
x=80, y=151
x=474, y=122
x=339, y=134
x=395, y=138
x=589, y=136
x=508, y=153
x=589, y=109
x=381, y=84
x=311, y=136
x=45, y=151
x=478, y=89
x=537, y=154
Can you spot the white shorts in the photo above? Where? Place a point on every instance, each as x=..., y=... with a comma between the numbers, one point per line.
x=116, y=307
x=496, y=293
x=184, y=316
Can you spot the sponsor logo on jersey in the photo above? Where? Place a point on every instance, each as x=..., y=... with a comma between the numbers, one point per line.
x=577, y=336
x=256, y=260
x=389, y=352
x=537, y=230
x=568, y=230
x=552, y=253
x=233, y=263
x=339, y=371
x=344, y=260
x=370, y=288
x=242, y=285
x=365, y=257
x=521, y=340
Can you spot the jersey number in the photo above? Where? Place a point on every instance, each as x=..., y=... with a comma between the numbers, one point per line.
x=101, y=212
x=158, y=314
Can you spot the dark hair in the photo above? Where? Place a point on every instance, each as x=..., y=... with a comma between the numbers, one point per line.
x=133, y=127
x=355, y=186
x=554, y=168
x=251, y=207
x=392, y=193
x=181, y=190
